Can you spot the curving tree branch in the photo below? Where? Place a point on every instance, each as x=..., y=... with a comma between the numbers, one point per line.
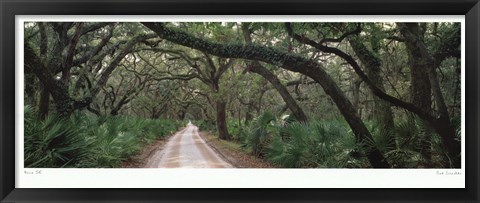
x=356, y=67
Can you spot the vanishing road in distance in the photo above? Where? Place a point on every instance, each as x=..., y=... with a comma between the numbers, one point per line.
x=186, y=149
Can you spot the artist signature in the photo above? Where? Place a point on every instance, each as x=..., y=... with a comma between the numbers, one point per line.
x=448, y=173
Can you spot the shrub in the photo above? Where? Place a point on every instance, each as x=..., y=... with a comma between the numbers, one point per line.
x=119, y=138
x=86, y=140
x=52, y=142
x=325, y=144
x=205, y=125
x=238, y=131
x=259, y=133
x=409, y=136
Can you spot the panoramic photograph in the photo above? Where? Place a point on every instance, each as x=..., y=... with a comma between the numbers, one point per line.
x=242, y=95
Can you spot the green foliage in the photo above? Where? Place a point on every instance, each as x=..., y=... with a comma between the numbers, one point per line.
x=238, y=131
x=383, y=140
x=406, y=153
x=409, y=136
x=316, y=144
x=261, y=130
x=331, y=143
x=205, y=125
x=292, y=144
x=52, y=142
x=88, y=141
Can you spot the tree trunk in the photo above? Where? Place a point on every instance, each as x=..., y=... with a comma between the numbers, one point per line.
x=356, y=96
x=63, y=103
x=450, y=142
x=43, y=105
x=382, y=111
x=30, y=89
x=422, y=97
x=421, y=88
x=221, y=120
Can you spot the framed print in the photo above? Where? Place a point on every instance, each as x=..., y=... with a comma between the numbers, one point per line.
x=257, y=101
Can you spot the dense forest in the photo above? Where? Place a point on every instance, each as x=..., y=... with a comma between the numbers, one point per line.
x=297, y=95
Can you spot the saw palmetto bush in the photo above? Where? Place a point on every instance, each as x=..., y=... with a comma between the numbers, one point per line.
x=316, y=144
x=88, y=141
x=292, y=144
x=331, y=143
x=111, y=142
x=406, y=152
x=115, y=139
x=410, y=136
x=260, y=132
x=52, y=142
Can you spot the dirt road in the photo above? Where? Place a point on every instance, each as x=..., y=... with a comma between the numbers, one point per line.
x=186, y=149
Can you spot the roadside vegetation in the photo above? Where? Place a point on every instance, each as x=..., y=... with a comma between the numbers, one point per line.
x=87, y=140
x=287, y=143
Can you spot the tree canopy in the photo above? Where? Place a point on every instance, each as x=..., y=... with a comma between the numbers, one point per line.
x=394, y=87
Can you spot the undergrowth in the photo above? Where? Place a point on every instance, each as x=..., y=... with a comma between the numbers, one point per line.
x=88, y=141
x=331, y=143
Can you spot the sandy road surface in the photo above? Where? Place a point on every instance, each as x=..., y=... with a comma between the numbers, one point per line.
x=186, y=149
